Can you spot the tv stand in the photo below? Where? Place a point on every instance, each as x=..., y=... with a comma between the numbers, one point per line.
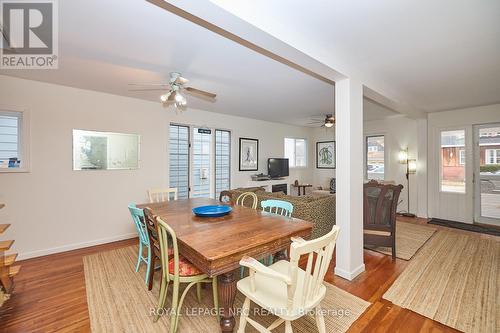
x=268, y=184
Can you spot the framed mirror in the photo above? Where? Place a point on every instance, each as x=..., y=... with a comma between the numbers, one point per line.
x=105, y=150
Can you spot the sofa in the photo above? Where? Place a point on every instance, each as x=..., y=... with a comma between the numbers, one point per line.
x=319, y=210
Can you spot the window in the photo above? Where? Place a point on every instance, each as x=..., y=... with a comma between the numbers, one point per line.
x=462, y=157
x=492, y=156
x=375, y=157
x=452, y=163
x=222, y=161
x=296, y=152
x=179, y=160
x=13, y=149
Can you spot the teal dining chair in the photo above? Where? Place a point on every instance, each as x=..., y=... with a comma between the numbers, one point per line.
x=279, y=207
x=140, y=226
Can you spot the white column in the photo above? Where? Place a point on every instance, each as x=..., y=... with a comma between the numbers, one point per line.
x=349, y=174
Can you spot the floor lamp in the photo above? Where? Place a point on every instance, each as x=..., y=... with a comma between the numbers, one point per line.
x=411, y=168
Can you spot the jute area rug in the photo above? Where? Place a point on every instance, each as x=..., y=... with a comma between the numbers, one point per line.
x=454, y=279
x=119, y=301
x=410, y=238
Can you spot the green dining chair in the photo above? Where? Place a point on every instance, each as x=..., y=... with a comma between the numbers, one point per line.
x=177, y=269
x=140, y=226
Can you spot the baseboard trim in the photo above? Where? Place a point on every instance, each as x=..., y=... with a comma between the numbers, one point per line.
x=69, y=247
x=349, y=275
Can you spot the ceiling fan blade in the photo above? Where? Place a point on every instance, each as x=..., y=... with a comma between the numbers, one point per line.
x=150, y=84
x=201, y=92
x=180, y=80
x=147, y=89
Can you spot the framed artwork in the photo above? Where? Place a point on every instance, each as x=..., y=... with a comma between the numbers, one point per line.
x=249, y=154
x=325, y=155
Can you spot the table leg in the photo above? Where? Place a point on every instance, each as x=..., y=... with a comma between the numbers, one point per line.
x=227, y=294
x=280, y=255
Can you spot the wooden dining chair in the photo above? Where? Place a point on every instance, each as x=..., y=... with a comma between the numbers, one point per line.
x=242, y=200
x=284, y=289
x=226, y=196
x=140, y=226
x=279, y=207
x=154, y=245
x=177, y=269
x=162, y=194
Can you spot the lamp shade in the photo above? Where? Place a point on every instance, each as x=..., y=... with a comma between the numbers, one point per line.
x=403, y=156
x=412, y=166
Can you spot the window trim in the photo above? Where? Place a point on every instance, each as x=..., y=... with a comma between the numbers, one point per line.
x=495, y=155
x=461, y=159
x=295, y=155
x=24, y=134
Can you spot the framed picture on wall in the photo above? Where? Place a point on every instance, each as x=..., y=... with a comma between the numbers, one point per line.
x=249, y=154
x=325, y=155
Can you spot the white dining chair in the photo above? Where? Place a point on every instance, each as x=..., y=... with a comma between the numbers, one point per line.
x=161, y=194
x=286, y=290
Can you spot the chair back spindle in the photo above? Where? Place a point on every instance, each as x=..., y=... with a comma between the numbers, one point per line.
x=279, y=207
x=162, y=194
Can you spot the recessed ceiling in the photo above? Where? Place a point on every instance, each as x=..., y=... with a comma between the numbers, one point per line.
x=105, y=46
x=434, y=55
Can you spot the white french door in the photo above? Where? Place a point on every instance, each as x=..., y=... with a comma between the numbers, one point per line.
x=487, y=173
x=454, y=187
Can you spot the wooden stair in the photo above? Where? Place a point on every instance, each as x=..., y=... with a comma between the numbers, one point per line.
x=7, y=268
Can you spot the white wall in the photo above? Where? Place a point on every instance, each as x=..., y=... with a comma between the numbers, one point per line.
x=321, y=177
x=53, y=208
x=400, y=132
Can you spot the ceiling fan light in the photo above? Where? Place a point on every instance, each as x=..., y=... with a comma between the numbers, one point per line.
x=328, y=124
x=164, y=98
x=179, y=98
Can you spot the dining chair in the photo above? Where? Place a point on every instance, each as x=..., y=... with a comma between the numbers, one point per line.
x=279, y=207
x=177, y=269
x=140, y=226
x=154, y=245
x=162, y=194
x=225, y=196
x=240, y=201
x=284, y=289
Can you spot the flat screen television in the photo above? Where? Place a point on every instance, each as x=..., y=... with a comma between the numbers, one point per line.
x=277, y=167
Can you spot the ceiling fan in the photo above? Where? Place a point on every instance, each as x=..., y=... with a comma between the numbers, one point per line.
x=174, y=89
x=327, y=121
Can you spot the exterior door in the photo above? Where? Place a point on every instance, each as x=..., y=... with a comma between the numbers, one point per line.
x=487, y=173
x=454, y=186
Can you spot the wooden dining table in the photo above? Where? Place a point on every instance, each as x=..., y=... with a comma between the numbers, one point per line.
x=216, y=245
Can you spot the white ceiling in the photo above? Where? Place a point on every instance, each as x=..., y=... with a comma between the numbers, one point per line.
x=104, y=47
x=434, y=55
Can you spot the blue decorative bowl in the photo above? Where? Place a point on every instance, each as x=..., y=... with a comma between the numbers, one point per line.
x=212, y=211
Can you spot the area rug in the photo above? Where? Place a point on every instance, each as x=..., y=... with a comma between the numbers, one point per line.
x=454, y=279
x=410, y=237
x=119, y=301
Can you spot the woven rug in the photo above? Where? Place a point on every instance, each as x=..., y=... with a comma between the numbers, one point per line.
x=119, y=301
x=410, y=238
x=454, y=280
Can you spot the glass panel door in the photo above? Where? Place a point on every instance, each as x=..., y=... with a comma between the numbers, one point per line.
x=453, y=161
x=487, y=173
x=375, y=157
x=201, y=168
x=179, y=160
x=222, y=161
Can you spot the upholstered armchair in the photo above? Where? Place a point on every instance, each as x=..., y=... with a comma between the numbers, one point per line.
x=379, y=214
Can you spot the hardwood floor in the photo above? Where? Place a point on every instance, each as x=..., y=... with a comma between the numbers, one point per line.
x=50, y=296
